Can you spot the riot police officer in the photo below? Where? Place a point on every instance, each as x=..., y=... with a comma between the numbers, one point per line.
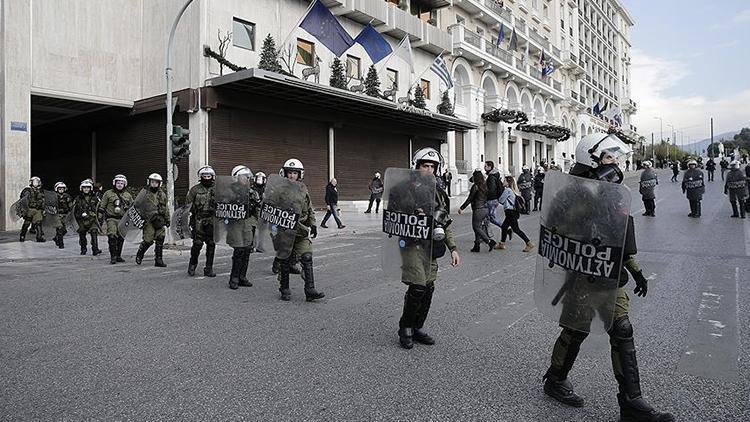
x=376, y=193
x=85, y=209
x=115, y=203
x=647, y=186
x=202, y=203
x=419, y=277
x=259, y=182
x=154, y=229
x=538, y=188
x=597, y=158
x=241, y=231
x=64, y=206
x=34, y=209
x=302, y=247
x=736, y=187
x=526, y=185
x=692, y=184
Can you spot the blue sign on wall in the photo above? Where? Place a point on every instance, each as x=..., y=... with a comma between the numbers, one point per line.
x=18, y=126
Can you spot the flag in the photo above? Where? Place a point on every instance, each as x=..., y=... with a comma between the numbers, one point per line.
x=603, y=109
x=500, y=36
x=613, y=113
x=374, y=44
x=441, y=69
x=547, y=71
x=513, y=46
x=596, y=110
x=322, y=25
x=404, y=52
x=541, y=59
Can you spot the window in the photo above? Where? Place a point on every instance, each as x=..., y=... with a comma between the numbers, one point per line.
x=480, y=31
x=392, y=77
x=243, y=34
x=305, y=52
x=425, y=85
x=352, y=67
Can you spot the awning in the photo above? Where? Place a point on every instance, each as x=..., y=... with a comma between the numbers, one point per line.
x=322, y=97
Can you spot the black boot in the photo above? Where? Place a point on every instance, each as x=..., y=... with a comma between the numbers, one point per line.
x=24, y=229
x=112, y=242
x=120, y=244
x=286, y=294
x=195, y=251
x=95, y=244
x=307, y=271
x=377, y=207
x=40, y=234
x=159, y=253
x=420, y=336
x=276, y=267
x=60, y=237
x=234, y=274
x=564, y=353
x=208, y=270
x=735, y=212
x=82, y=242
x=412, y=302
x=692, y=209
x=475, y=248
x=633, y=408
x=142, y=248
x=492, y=245
x=244, y=282
x=698, y=207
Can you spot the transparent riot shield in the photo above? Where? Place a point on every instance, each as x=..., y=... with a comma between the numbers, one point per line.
x=180, y=225
x=280, y=211
x=71, y=225
x=19, y=208
x=408, y=204
x=142, y=211
x=51, y=217
x=236, y=201
x=582, y=232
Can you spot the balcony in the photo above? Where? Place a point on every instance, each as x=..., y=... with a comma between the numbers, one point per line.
x=498, y=10
x=539, y=39
x=629, y=105
x=403, y=23
x=499, y=53
x=521, y=26
x=435, y=39
x=487, y=11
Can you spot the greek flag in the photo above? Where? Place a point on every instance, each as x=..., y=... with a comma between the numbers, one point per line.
x=441, y=69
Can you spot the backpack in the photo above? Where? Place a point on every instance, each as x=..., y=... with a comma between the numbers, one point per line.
x=521, y=206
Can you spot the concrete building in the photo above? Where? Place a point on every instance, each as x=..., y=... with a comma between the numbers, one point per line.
x=82, y=87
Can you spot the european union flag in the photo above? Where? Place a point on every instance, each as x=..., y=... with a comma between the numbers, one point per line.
x=374, y=44
x=322, y=25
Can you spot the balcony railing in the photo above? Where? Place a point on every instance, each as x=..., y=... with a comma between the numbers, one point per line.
x=497, y=8
x=555, y=51
x=498, y=52
x=472, y=38
x=521, y=26
x=521, y=66
x=557, y=85
x=539, y=39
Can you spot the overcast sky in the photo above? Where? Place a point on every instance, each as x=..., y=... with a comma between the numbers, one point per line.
x=690, y=61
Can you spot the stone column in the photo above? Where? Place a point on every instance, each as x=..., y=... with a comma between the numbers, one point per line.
x=451, y=151
x=15, y=104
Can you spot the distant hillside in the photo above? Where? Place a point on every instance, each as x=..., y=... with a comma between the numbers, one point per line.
x=702, y=145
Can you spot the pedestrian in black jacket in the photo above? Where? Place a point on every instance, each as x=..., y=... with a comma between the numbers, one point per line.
x=538, y=188
x=376, y=193
x=710, y=168
x=332, y=200
x=478, y=201
x=494, y=189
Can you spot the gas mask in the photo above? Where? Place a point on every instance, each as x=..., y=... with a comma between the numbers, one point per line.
x=608, y=173
x=441, y=220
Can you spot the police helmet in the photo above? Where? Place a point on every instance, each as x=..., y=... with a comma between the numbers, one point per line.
x=59, y=185
x=35, y=181
x=260, y=178
x=120, y=178
x=206, y=172
x=377, y=175
x=429, y=155
x=241, y=170
x=647, y=164
x=293, y=164
x=592, y=148
x=87, y=183
x=734, y=164
x=524, y=168
x=692, y=163
x=155, y=177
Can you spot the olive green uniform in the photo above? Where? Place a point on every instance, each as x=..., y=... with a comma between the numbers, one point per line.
x=241, y=233
x=112, y=209
x=202, y=200
x=85, y=211
x=154, y=229
x=34, y=213
x=64, y=206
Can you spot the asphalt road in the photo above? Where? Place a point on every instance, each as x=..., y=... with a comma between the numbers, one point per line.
x=83, y=340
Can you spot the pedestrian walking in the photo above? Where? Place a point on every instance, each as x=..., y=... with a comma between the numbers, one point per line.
x=747, y=201
x=494, y=189
x=736, y=188
x=693, y=186
x=627, y=165
x=509, y=200
x=676, y=170
x=526, y=185
x=478, y=200
x=538, y=188
x=724, y=164
x=647, y=187
x=332, y=200
x=376, y=193
x=448, y=179
x=710, y=168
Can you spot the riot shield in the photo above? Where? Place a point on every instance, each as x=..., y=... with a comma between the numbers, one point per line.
x=51, y=217
x=279, y=216
x=19, y=208
x=70, y=222
x=408, y=206
x=136, y=217
x=180, y=225
x=583, y=225
x=233, y=211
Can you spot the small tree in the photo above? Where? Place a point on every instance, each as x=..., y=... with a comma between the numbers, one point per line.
x=445, y=106
x=372, y=83
x=419, y=101
x=269, y=57
x=338, y=76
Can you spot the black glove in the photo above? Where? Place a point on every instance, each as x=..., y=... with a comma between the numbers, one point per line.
x=313, y=231
x=641, y=284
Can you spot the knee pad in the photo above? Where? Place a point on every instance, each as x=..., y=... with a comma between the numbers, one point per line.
x=416, y=291
x=147, y=244
x=306, y=258
x=198, y=244
x=573, y=336
x=621, y=328
x=160, y=240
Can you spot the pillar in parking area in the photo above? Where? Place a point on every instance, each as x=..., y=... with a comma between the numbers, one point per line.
x=331, y=152
x=451, y=141
x=198, y=126
x=15, y=104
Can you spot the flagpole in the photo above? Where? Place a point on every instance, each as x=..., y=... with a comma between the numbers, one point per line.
x=392, y=53
x=304, y=15
x=430, y=65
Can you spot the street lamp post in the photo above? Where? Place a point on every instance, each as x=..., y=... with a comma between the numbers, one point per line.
x=661, y=132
